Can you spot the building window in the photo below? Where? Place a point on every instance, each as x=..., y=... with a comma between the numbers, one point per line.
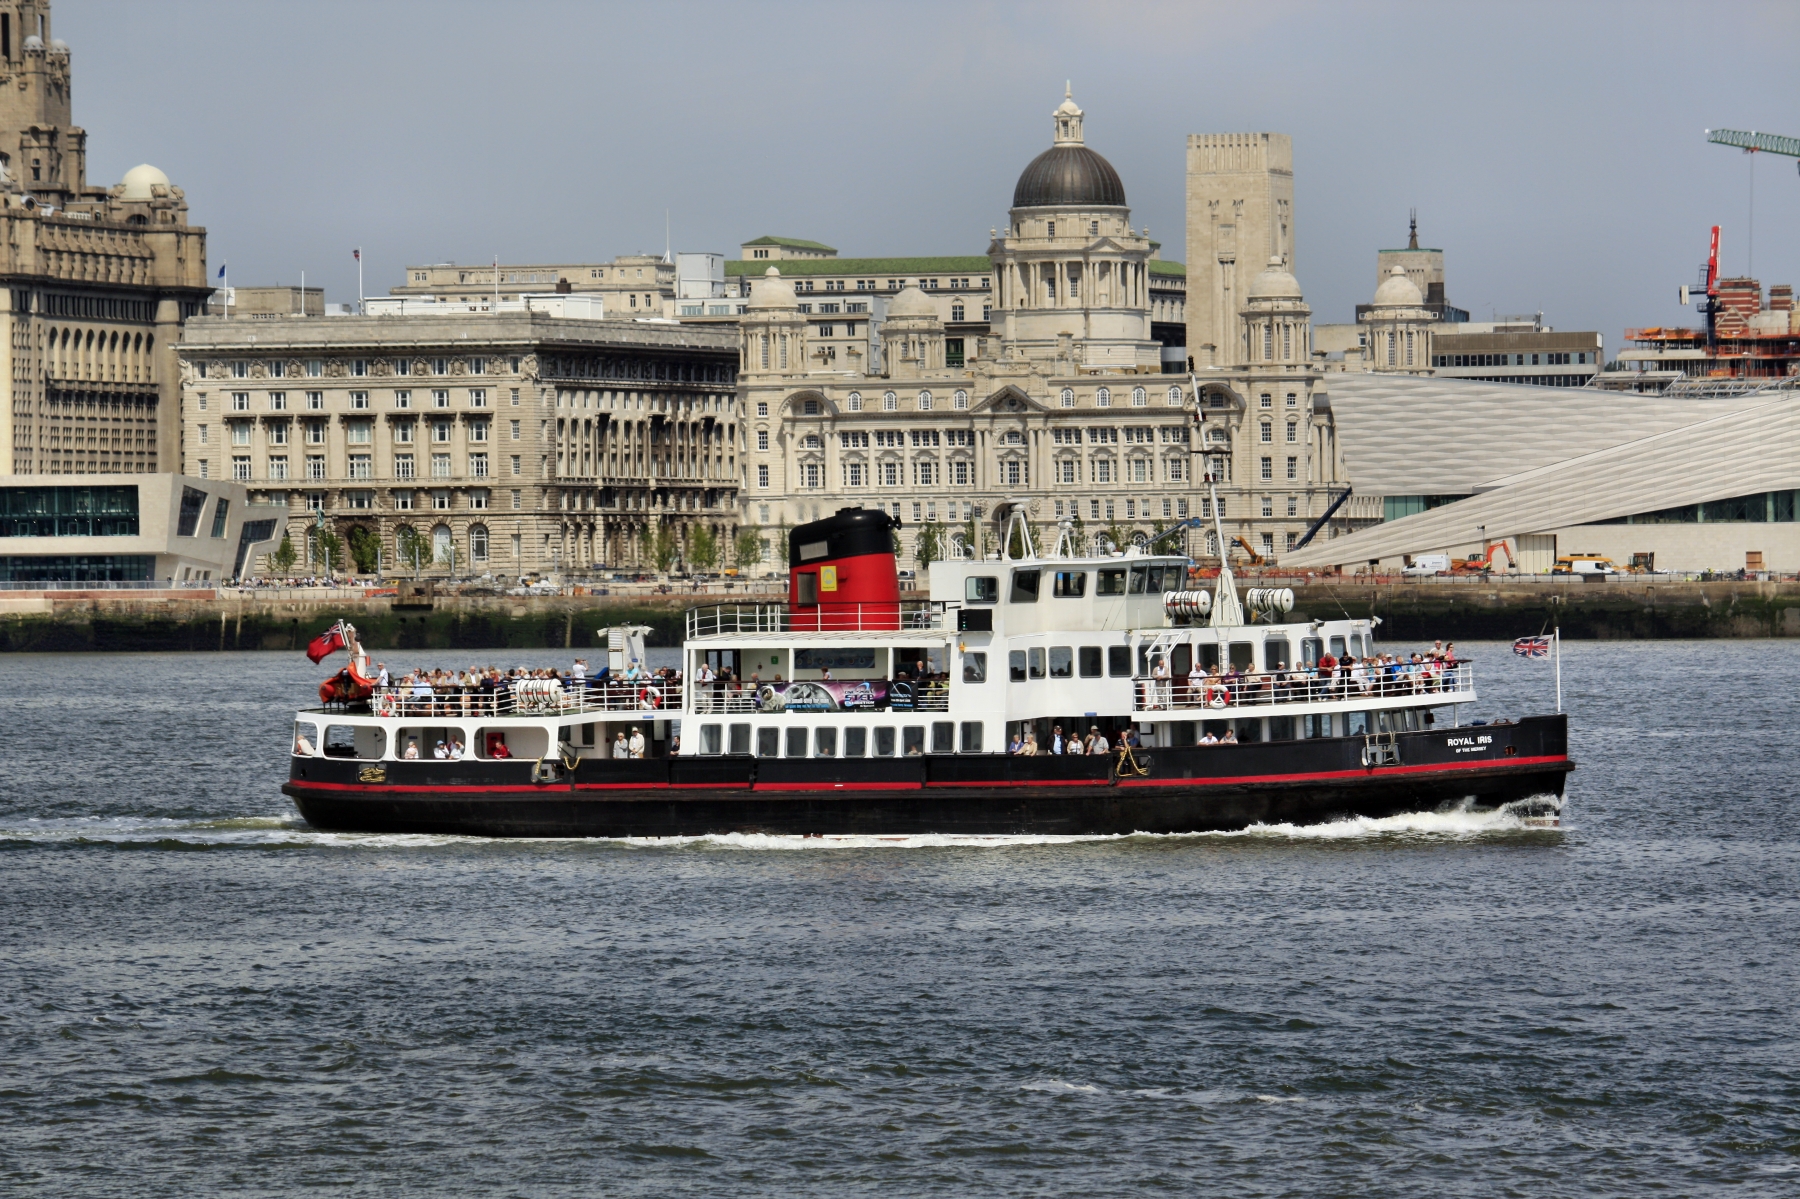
x=1268, y=468
x=1103, y=470
x=1268, y=433
x=440, y=366
x=478, y=466
x=515, y=430
x=359, y=400
x=811, y=476
x=960, y=400
x=440, y=430
x=240, y=370
x=440, y=502
x=853, y=474
x=762, y=475
x=359, y=367
x=440, y=399
x=478, y=500
x=478, y=398
x=515, y=465
x=240, y=469
x=1068, y=397
x=360, y=467
x=518, y=501
x=924, y=401
x=315, y=466
x=403, y=366
x=440, y=466
x=240, y=432
x=1140, y=398
x=762, y=441
x=240, y=401
x=1293, y=468
x=1140, y=470
x=478, y=542
x=1174, y=397
x=278, y=401
x=403, y=466
x=1293, y=432
x=890, y=402
x=1177, y=469
x=278, y=468
x=1103, y=398
x=762, y=408
x=855, y=401
x=315, y=401
x=358, y=432
x=359, y=499
x=478, y=430
x=403, y=432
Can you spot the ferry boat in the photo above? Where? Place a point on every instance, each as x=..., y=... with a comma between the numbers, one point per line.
x=848, y=710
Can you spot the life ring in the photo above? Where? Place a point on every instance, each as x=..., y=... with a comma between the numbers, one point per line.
x=385, y=705
x=1217, y=696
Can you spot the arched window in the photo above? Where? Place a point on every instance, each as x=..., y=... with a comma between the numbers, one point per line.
x=1103, y=398
x=960, y=400
x=478, y=543
x=890, y=402
x=924, y=401
x=1174, y=397
x=856, y=401
x=1068, y=397
x=1139, y=397
x=1268, y=342
x=440, y=543
x=1390, y=349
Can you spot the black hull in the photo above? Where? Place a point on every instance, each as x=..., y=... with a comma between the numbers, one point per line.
x=1184, y=790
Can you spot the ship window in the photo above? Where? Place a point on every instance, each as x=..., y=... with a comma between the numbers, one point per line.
x=1243, y=655
x=1281, y=728
x=768, y=743
x=971, y=736
x=1015, y=665
x=1356, y=724
x=1062, y=662
x=943, y=737
x=807, y=587
x=974, y=668
x=306, y=735
x=1209, y=655
x=361, y=741
x=1337, y=648
x=1249, y=730
x=1069, y=584
x=1112, y=582
x=825, y=744
x=912, y=740
x=1024, y=587
x=1277, y=653
x=1182, y=733
x=740, y=738
x=1311, y=648
x=1138, y=574
x=856, y=743
x=884, y=742
x=981, y=589
x=710, y=738
x=1118, y=661
x=796, y=743
x=1090, y=661
x=1035, y=656
x=1318, y=725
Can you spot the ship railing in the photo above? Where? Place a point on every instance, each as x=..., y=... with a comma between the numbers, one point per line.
x=740, y=619
x=532, y=697
x=1268, y=689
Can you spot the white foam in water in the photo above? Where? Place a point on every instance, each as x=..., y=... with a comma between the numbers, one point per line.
x=1458, y=823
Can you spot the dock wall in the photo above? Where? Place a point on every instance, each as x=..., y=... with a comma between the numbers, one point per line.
x=1459, y=610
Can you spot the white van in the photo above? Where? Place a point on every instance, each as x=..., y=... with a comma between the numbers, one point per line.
x=1428, y=564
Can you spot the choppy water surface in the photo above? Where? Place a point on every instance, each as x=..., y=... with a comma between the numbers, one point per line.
x=202, y=996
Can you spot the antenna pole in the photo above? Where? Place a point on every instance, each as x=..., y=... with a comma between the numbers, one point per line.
x=1556, y=644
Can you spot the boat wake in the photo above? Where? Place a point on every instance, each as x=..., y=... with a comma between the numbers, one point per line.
x=275, y=831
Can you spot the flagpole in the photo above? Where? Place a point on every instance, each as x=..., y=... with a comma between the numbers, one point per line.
x=361, y=300
x=1556, y=641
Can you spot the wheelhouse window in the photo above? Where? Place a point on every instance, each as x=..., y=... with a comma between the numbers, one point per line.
x=1069, y=584
x=1112, y=582
x=1118, y=661
x=1062, y=662
x=1024, y=587
x=1089, y=661
x=974, y=667
x=981, y=589
x=1015, y=663
x=1035, y=657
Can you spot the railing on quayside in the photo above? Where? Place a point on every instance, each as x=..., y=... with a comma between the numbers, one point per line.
x=1298, y=687
x=738, y=619
x=726, y=700
x=530, y=697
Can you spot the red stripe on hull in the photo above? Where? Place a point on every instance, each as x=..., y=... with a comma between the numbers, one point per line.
x=1326, y=775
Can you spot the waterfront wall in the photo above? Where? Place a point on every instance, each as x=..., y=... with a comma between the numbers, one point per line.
x=1459, y=610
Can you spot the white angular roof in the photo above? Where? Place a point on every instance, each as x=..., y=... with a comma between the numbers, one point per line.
x=1729, y=448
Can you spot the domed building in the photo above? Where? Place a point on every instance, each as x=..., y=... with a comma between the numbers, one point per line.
x=1071, y=278
x=116, y=271
x=1399, y=326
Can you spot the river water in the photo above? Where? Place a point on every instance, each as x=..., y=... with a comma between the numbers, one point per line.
x=201, y=996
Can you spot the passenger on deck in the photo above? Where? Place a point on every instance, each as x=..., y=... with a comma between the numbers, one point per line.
x=1015, y=745
x=620, y=750
x=1073, y=746
x=1030, y=748
x=456, y=750
x=1159, y=676
x=440, y=752
x=1209, y=739
x=637, y=742
x=1230, y=737
x=1096, y=741
x=412, y=749
x=1196, y=680
x=1056, y=739
x=303, y=747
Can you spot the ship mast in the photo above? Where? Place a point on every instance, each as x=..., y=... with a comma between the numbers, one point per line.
x=1226, y=612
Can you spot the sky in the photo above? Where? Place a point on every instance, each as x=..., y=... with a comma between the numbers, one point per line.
x=1555, y=152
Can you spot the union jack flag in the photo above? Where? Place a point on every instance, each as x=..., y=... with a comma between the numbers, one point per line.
x=1532, y=647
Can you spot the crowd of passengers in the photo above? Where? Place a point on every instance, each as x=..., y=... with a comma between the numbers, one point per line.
x=733, y=692
x=1332, y=677
x=488, y=689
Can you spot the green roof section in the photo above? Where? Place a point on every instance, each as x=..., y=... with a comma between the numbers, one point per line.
x=1162, y=266
x=797, y=243
x=790, y=267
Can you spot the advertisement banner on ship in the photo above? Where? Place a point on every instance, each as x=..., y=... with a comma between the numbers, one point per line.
x=832, y=695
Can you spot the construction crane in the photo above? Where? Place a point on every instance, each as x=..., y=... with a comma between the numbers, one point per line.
x=1754, y=143
x=1147, y=543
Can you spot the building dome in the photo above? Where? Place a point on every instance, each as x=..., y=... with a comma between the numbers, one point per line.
x=140, y=179
x=770, y=291
x=1071, y=176
x=1275, y=282
x=1397, y=291
x=33, y=42
x=910, y=301
x=58, y=46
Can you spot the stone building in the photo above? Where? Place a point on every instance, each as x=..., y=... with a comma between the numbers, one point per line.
x=630, y=285
x=1240, y=213
x=1061, y=405
x=94, y=281
x=503, y=443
